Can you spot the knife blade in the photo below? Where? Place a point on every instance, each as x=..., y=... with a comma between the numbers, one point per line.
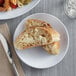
x=8, y=53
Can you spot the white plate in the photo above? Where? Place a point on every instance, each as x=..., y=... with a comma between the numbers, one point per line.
x=19, y=11
x=37, y=57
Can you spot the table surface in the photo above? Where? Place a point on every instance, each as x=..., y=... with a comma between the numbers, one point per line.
x=67, y=67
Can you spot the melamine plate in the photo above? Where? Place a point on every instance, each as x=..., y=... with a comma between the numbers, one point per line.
x=19, y=11
x=37, y=57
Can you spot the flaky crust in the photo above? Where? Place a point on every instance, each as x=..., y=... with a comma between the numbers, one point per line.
x=53, y=48
x=55, y=36
x=42, y=23
x=49, y=32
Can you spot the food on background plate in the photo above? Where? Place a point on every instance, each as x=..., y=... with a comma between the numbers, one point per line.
x=24, y=1
x=6, y=5
x=38, y=33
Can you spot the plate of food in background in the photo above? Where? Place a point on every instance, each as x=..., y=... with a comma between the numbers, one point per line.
x=41, y=40
x=14, y=8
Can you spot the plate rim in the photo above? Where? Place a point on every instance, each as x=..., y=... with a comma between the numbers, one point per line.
x=66, y=47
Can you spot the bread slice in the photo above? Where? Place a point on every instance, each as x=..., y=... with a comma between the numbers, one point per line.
x=35, y=36
x=40, y=23
x=53, y=48
x=35, y=22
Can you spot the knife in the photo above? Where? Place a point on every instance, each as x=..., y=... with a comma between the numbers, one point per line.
x=8, y=53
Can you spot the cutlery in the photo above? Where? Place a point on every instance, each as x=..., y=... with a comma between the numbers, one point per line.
x=8, y=53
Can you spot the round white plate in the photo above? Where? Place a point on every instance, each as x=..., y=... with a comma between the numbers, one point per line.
x=19, y=11
x=37, y=57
